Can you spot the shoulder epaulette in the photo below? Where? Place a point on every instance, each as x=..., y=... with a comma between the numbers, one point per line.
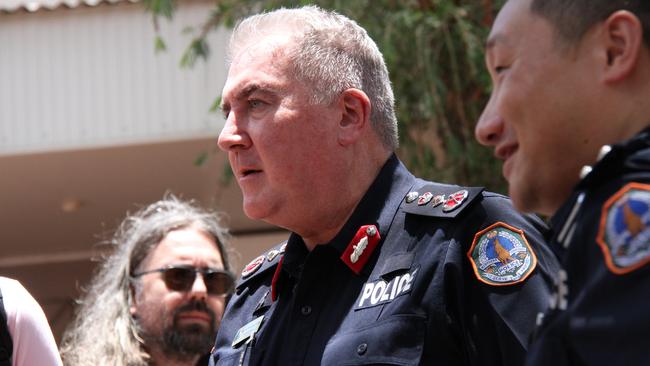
x=437, y=200
x=262, y=264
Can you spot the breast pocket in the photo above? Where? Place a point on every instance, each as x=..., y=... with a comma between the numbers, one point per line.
x=397, y=340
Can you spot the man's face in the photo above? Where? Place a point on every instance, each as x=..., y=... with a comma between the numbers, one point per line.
x=181, y=324
x=282, y=149
x=538, y=117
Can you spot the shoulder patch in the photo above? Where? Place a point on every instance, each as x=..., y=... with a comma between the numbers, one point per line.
x=440, y=200
x=624, y=232
x=501, y=255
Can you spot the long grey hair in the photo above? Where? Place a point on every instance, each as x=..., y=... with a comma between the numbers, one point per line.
x=103, y=331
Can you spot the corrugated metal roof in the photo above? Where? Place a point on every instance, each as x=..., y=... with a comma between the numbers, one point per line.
x=10, y=6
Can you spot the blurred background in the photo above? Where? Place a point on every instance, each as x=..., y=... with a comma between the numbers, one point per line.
x=95, y=123
x=105, y=105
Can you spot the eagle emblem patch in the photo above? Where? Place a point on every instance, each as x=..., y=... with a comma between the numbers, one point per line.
x=501, y=255
x=624, y=233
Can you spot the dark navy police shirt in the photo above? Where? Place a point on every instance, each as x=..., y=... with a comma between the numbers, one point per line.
x=600, y=312
x=446, y=275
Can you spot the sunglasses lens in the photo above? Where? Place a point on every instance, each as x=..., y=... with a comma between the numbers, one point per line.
x=179, y=279
x=218, y=283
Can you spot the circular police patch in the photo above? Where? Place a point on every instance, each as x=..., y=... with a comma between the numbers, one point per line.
x=624, y=233
x=501, y=255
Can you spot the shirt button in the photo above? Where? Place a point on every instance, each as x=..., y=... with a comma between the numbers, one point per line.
x=362, y=348
x=306, y=310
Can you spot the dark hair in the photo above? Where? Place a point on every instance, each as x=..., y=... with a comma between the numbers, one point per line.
x=573, y=18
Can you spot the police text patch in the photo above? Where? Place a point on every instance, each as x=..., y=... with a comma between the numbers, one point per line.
x=381, y=292
x=500, y=255
x=624, y=233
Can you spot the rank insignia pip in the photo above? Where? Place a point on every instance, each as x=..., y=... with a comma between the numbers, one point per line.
x=501, y=255
x=411, y=196
x=438, y=200
x=624, y=233
x=270, y=256
x=253, y=266
x=425, y=198
x=455, y=200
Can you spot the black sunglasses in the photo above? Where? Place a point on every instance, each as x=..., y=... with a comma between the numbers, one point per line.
x=181, y=278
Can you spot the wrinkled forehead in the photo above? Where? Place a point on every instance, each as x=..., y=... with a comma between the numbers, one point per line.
x=267, y=62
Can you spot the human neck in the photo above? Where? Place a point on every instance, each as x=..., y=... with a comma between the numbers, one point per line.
x=328, y=224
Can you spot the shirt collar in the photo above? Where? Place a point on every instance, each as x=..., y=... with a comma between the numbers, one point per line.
x=378, y=206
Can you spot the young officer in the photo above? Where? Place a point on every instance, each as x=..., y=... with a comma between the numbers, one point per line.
x=569, y=115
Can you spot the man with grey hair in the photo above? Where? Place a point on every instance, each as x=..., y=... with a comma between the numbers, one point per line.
x=381, y=267
x=159, y=297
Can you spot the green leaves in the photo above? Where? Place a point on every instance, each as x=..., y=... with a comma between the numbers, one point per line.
x=160, y=7
x=198, y=48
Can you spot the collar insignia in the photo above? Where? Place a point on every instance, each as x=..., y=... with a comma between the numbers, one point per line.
x=361, y=247
x=274, y=281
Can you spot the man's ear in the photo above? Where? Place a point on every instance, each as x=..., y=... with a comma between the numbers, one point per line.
x=623, y=40
x=355, y=117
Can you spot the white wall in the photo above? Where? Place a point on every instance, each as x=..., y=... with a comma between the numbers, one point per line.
x=89, y=77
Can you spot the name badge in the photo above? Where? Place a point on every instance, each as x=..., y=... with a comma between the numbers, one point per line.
x=247, y=332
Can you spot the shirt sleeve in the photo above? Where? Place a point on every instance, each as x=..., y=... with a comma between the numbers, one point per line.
x=32, y=337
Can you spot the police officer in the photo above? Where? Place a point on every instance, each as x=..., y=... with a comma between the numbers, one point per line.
x=381, y=267
x=569, y=115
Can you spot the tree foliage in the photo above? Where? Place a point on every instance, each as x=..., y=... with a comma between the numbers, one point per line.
x=434, y=52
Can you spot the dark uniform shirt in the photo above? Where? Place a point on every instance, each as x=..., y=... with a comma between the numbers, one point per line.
x=396, y=286
x=600, y=313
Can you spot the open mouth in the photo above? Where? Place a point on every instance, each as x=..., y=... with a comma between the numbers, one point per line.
x=248, y=172
x=505, y=152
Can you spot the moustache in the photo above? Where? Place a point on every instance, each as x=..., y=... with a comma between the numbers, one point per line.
x=195, y=305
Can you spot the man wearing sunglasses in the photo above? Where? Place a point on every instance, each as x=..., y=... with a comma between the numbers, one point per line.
x=159, y=298
x=381, y=267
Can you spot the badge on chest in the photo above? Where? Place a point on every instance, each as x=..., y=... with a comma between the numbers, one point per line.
x=247, y=332
x=382, y=292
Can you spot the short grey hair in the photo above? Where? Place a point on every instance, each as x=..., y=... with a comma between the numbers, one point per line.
x=103, y=331
x=332, y=53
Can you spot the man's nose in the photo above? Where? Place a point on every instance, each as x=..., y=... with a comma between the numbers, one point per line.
x=199, y=287
x=232, y=135
x=490, y=126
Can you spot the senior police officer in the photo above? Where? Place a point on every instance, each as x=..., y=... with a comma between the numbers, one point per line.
x=381, y=267
x=569, y=115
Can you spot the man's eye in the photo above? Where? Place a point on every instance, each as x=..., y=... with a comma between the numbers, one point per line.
x=255, y=103
x=500, y=69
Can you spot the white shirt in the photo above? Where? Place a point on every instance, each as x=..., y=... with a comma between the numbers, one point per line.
x=30, y=332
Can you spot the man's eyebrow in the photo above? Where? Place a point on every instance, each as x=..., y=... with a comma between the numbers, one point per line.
x=246, y=92
x=493, y=40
